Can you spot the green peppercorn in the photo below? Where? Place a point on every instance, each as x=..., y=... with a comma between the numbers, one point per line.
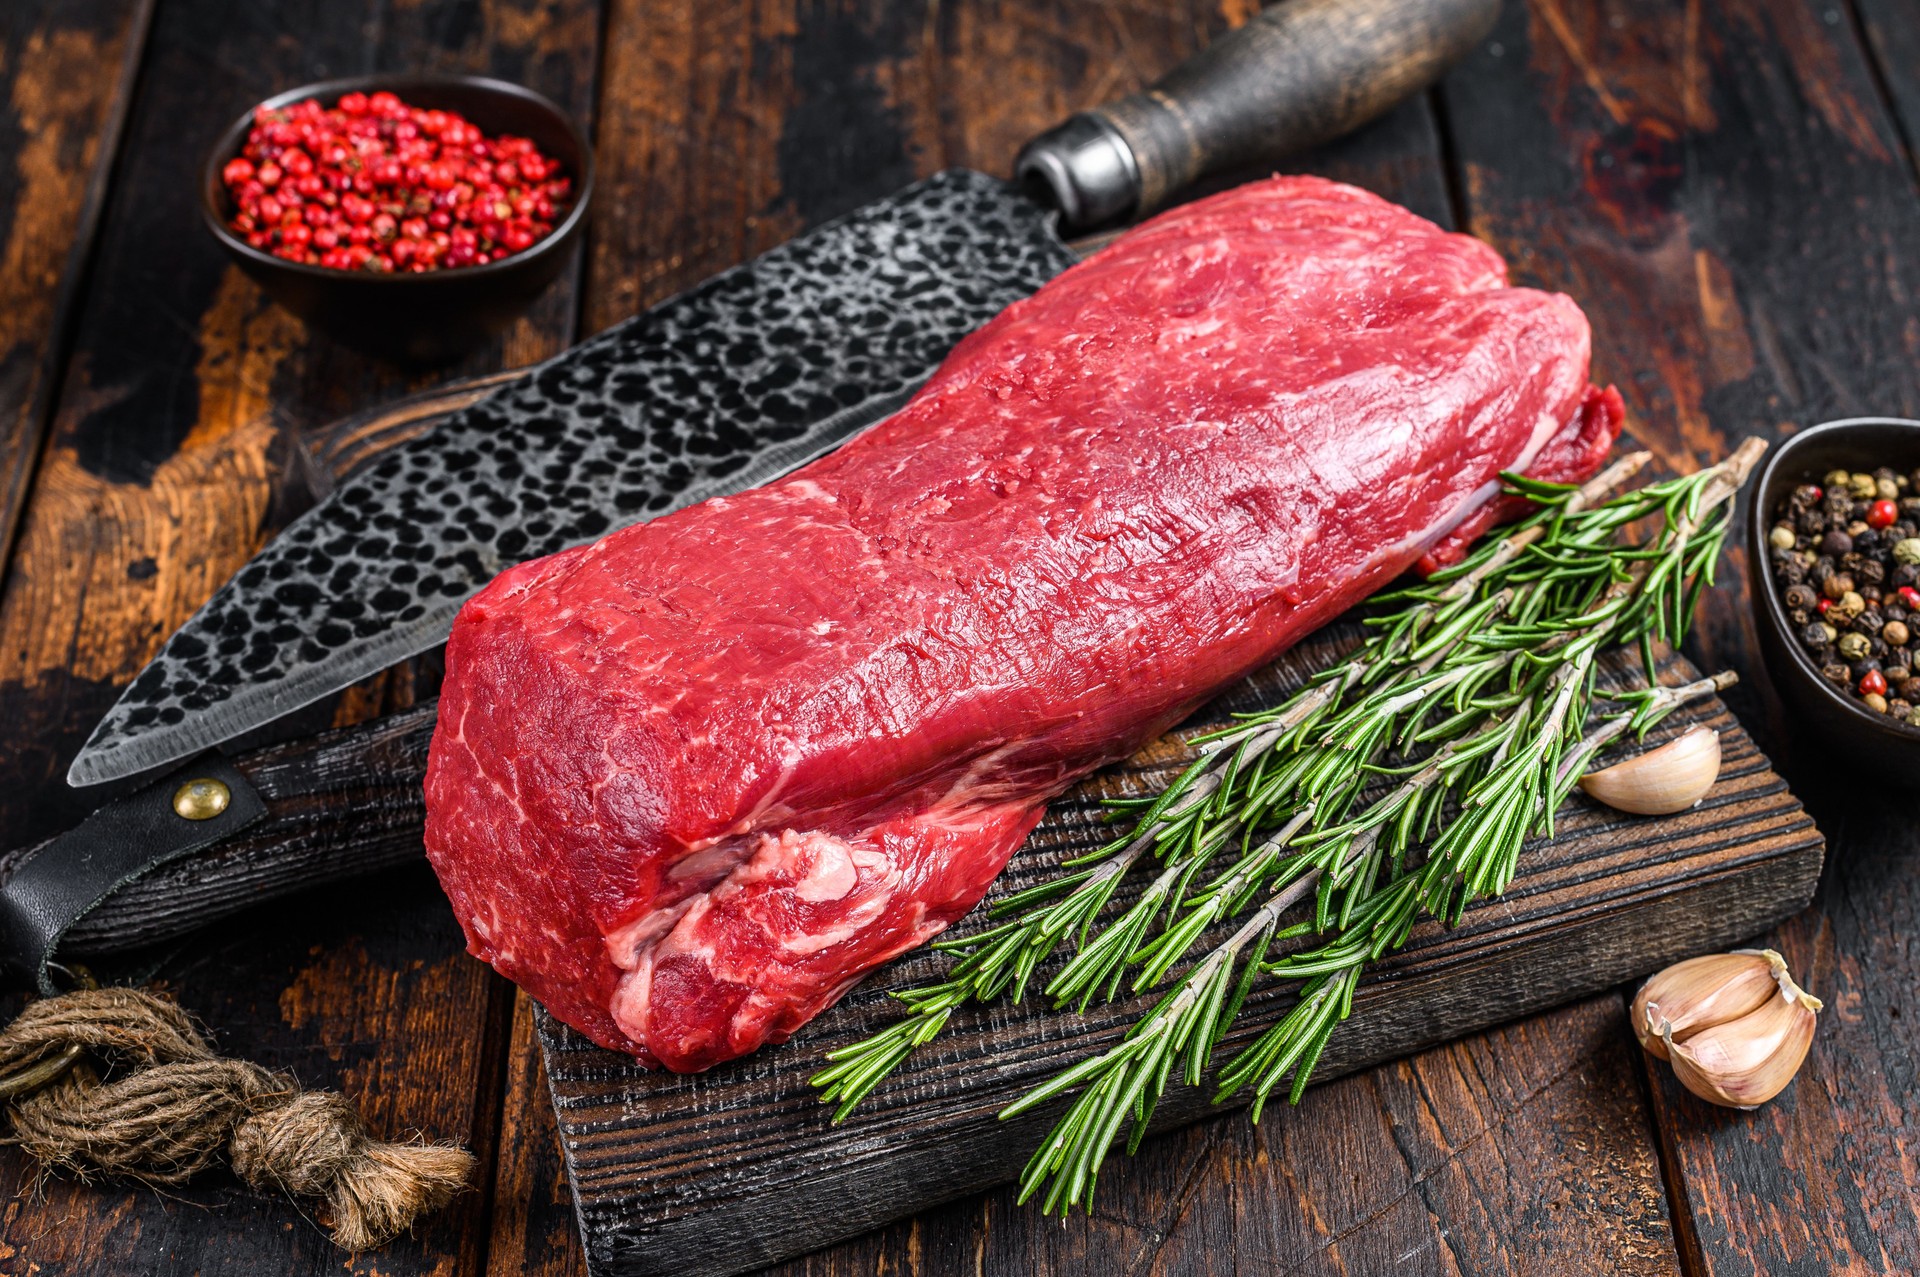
x=1834, y=480
x=1847, y=606
x=1907, y=551
x=1861, y=487
x=1853, y=647
x=1782, y=537
x=1886, y=489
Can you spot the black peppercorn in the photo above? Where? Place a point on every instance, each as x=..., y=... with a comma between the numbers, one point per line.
x=1837, y=505
x=1817, y=635
x=1869, y=622
x=1803, y=498
x=1835, y=672
x=1899, y=708
x=1801, y=597
x=1904, y=574
x=1870, y=572
x=1811, y=524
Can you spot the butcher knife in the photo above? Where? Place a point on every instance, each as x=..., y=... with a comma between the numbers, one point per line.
x=743, y=378
x=727, y=386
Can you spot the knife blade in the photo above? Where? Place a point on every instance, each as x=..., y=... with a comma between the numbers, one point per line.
x=726, y=387
x=743, y=378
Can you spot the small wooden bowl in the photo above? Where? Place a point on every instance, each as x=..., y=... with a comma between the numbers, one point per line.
x=435, y=315
x=1888, y=747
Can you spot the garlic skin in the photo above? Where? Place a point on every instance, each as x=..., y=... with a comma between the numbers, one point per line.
x=1734, y=1026
x=1691, y=995
x=1661, y=781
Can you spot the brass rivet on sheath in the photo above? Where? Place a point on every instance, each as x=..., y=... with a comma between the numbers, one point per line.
x=202, y=799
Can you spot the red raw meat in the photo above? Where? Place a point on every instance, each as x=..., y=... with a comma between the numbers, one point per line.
x=692, y=782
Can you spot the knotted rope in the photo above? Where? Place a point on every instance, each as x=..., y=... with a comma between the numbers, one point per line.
x=168, y=1107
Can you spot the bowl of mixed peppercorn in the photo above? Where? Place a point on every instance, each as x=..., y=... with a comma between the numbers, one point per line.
x=1835, y=555
x=411, y=216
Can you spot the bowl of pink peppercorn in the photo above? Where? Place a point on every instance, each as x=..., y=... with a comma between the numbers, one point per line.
x=409, y=216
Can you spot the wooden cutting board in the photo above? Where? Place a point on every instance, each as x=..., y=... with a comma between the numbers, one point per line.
x=738, y=1167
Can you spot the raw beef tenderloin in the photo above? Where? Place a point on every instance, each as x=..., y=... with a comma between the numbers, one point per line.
x=691, y=782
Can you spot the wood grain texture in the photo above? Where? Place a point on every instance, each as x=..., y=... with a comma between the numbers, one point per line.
x=1815, y=1182
x=714, y=1173
x=1501, y=1153
x=186, y=432
x=1727, y=190
x=66, y=76
x=181, y=439
x=1717, y=185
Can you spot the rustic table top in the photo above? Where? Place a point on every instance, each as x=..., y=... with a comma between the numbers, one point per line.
x=1727, y=186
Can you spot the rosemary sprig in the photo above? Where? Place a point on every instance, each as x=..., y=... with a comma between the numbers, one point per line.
x=1511, y=772
x=1189, y=1021
x=1436, y=668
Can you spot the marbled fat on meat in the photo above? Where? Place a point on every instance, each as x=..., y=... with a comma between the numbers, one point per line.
x=691, y=782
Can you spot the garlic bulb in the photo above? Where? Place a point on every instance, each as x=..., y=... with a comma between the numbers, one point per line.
x=1734, y=1026
x=1670, y=778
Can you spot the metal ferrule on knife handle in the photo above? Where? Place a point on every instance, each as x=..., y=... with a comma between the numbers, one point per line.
x=1299, y=73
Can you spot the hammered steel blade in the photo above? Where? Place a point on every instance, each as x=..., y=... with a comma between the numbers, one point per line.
x=734, y=383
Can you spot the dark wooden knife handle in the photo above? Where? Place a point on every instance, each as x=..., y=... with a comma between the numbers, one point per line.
x=330, y=807
x=1299, y=73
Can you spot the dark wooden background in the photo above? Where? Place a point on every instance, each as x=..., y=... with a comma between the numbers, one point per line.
x=1728, y=187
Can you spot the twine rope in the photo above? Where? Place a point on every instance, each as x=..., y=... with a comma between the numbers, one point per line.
x=168, y=1107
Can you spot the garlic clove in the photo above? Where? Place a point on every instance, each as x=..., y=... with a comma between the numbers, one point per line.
x=1671, y=778
x=1744, y=1063
x=1689, y=996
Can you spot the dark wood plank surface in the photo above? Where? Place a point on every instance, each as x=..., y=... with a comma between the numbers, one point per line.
x=1726, y=187
x=66, y=67
x=182, y=438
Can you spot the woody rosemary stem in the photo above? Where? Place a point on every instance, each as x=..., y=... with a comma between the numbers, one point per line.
x=1468, y=685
